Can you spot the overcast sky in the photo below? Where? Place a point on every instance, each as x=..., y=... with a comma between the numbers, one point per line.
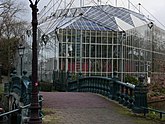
x=156, y=7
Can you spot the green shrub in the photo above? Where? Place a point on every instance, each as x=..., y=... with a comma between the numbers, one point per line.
x=3, y=98
x=74, y=77
x=131, y=79
x=45, y=86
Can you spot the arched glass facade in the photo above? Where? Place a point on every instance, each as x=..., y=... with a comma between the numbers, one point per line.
x=98, y=40
x=136, y=51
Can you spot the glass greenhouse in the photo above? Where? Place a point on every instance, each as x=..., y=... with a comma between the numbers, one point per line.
x=98, y=40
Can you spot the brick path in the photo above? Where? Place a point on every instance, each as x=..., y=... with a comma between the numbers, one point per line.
x=86, y=108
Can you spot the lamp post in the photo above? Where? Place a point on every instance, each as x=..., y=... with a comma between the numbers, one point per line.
x=0, y=73
x=21, y=49
x=34, y=114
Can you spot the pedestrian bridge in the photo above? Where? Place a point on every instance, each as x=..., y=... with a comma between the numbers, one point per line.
x=86, y=108
x=132, y=96
x=87, y=99
x=83, y=108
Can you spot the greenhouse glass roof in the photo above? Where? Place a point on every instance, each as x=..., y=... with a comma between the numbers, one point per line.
x=102, y=17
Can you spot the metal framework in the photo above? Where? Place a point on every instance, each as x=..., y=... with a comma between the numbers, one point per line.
x=99, y=40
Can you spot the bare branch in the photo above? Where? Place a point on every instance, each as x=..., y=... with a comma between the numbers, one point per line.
x=37, y=1
x=9, y=18
x=31, y=2
x=11, y=28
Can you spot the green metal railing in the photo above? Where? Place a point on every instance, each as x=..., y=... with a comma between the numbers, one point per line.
x=127, y=94
x=21, y=86
x=109, y=87
x=147, y=110
x=9, y=113
x=132, y=96
x=18, y=113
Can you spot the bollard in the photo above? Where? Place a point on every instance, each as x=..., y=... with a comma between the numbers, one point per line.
x=140, y=94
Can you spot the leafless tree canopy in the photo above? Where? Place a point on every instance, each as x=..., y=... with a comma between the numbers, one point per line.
x=12, y=27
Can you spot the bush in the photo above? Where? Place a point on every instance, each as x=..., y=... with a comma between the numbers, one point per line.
x=131, y=79
x=45, y=86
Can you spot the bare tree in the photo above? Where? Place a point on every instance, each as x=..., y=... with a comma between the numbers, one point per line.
x=10, y=21
x=12, y=27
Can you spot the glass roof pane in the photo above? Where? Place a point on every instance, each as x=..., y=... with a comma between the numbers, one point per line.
x=95, y=18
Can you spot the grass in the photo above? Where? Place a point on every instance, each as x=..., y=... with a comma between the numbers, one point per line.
x=139, y=118
x=50, y=116
x=151, y=118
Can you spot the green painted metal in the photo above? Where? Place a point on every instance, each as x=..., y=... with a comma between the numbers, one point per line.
x=146, y=110
x=59, y=80
x=132, y=96
x=20, y=88
x=140, y=94
x=127, y=94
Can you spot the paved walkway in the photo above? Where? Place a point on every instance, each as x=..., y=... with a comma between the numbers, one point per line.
x=86, y=108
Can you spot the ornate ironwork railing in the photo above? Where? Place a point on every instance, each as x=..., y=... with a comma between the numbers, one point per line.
x=18, y=93
x=132, y=96
x=109, y=87
x=19, y=115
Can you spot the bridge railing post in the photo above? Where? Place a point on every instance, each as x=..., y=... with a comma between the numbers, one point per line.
x=140, y=95
x=69, y=78
x=131, y=99
x=8, y=86
x=25, y=88
x=78, y=82
x=115, y=86
x=53, y=78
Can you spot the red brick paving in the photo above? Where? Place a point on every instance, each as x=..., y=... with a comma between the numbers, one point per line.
x=85, y=108
x=60, y=100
